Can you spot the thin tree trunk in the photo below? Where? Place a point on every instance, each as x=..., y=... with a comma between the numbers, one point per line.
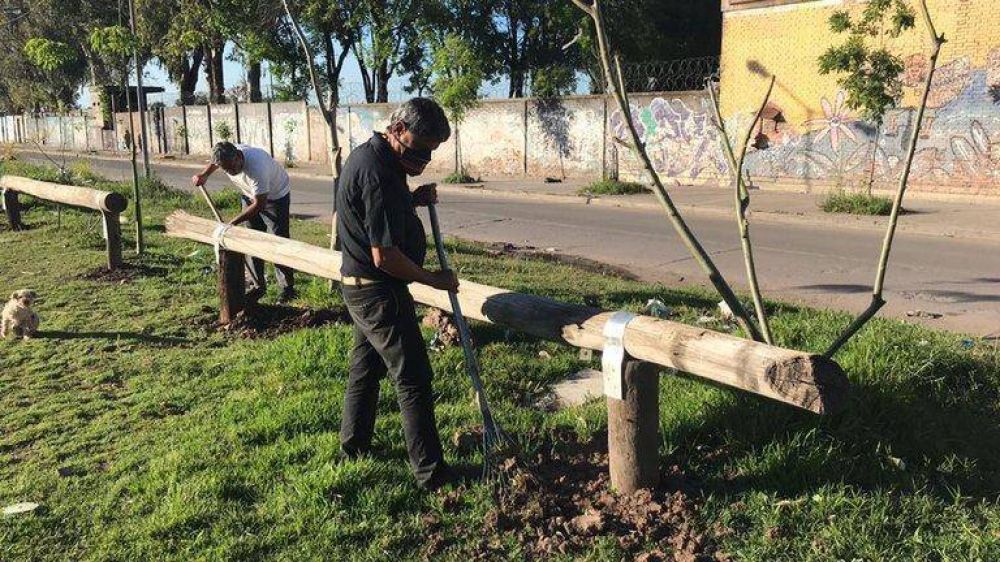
x=742, y=201
x=329, y=114
x=253, y=81
x=680, y=226
x=877, y=302
x=189, y=76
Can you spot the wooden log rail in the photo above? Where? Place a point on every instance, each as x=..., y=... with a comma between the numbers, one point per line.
x=110, y=205
x=803, y=380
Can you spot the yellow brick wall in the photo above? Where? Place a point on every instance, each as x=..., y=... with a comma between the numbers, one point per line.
x=962, y=131
x=787, y=41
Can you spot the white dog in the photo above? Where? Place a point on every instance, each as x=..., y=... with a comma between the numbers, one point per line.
x=18, y=319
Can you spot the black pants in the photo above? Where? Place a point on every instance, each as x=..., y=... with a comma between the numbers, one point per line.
x=387, y=340
x=275, y=219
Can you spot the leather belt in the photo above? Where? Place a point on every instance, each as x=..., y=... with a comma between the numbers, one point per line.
x=358, y=281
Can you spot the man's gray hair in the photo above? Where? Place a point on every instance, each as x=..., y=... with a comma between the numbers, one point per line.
x=423, y=117
x=224, y=151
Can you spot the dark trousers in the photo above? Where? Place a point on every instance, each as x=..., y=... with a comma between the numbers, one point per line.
x=387, y=340
x=275, y=219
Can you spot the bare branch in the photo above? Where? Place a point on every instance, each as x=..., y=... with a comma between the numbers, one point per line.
x=877, y=302
x=680, y=226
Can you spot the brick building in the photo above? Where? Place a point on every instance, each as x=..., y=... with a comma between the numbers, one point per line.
x=815, y=139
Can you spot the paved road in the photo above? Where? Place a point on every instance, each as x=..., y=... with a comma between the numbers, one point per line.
x=821, y=265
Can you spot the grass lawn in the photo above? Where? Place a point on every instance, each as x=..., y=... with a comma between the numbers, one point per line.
x=145, y=433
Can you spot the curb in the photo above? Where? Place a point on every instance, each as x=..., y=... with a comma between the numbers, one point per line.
x=846, y=221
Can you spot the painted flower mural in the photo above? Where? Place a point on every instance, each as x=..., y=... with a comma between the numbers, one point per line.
x=836, y=122
x=950, y=80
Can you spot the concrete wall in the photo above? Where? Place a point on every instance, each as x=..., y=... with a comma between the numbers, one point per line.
x=823, y=142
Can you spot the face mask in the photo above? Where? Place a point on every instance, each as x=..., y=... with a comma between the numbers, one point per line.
x=413, y=161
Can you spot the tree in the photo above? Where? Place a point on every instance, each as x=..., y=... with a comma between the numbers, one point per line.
x=386, y=39
x=458, y=74
x=870, y=75
x=531, y=36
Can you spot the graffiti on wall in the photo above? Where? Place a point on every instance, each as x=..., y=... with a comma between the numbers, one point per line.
x=681, y=140
x=959, y=145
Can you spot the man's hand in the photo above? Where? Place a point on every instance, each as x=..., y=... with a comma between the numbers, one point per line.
x=445, y=280
x=425, y=195
x=198, y=180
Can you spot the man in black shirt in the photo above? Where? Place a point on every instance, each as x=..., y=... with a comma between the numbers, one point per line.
x=383, y=246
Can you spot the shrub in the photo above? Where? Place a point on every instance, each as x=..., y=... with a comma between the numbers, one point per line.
x=459, y=177
x=856, y=203
x=614, y=187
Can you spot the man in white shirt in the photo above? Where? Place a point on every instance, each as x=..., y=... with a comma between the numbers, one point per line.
x=266, y=196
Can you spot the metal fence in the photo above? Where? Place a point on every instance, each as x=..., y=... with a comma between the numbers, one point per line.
x=670, y=75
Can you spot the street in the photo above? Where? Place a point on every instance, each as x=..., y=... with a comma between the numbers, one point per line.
x=821, y=265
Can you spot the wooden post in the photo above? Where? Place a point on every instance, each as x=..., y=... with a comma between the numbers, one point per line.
x=113, y=237
x=305, y=111
x=270, y=130
x=211, y=134
x=236, y=118
x=232, y=285
x=184, y=123
x=13, y=209
x=633, y=430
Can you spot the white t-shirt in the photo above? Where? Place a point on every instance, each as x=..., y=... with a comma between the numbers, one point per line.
x=261, y=175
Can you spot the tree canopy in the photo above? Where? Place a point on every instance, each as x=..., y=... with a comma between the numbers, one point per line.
x=51, y=48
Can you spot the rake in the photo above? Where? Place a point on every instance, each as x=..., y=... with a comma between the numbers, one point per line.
x=495, y=440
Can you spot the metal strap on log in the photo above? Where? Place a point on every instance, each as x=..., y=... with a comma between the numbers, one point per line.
x=804, y=380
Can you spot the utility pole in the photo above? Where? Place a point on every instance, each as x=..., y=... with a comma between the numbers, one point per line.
x=140, y=93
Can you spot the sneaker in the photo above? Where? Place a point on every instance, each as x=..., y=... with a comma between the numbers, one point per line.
x=287, y=295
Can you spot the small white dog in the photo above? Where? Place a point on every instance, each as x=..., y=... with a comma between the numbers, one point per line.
x=18, y=319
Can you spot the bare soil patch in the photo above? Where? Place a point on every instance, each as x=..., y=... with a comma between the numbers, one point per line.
x=270, y=320
x=561, y=502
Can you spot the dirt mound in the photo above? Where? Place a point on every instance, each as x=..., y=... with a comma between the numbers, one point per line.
x=121, y=275
x=445, y=331
x=266, y=320
x=561, y=502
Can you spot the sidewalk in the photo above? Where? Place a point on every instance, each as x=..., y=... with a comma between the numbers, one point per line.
x=979, y=218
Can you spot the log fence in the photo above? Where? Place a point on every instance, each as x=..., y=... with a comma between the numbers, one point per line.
x=109, y=204
x=806, y=381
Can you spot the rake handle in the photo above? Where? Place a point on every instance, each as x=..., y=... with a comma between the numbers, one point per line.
x=464, y=334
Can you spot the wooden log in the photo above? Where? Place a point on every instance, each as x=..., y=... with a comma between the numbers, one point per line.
x=67, y=194
x=232, y=285
x=12, y=208
x=805, y=380
x=633, y=430
x=113, y=238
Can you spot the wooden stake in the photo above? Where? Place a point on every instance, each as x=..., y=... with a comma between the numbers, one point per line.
x=633, y=430
x=113, y=237
x=13, y=209
x=232, y=285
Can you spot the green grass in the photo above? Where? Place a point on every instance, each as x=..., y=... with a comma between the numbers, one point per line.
x=459, y=177
x=613, y=187
x=145, y=434
x=856, y=203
